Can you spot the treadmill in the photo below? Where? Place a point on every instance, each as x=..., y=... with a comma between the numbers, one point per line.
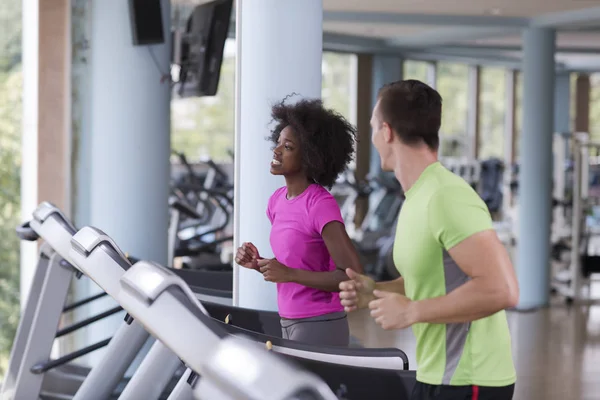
x=374, y=373
x=62, y=380
x=166, y=306
x=28, y=368
x=31, y=373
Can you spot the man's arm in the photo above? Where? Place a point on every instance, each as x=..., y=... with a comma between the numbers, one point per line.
x=492, y=287
x=395, y=286
x=461, y=223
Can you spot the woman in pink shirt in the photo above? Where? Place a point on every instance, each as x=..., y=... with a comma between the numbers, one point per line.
x=312, y=146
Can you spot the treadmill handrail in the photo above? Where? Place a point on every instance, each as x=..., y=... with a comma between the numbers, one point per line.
x=42, y=367
x=148, y=281
x=222, y=378
x=281, y=344
x=88, y=238
x=83, y=302
x=88, y=321
x=46, y=209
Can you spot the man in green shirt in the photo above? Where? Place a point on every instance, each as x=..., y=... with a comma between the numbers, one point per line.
x=457, y=278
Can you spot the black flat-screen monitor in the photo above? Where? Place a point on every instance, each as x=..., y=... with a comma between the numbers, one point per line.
x=202, y=48
x=146, y=22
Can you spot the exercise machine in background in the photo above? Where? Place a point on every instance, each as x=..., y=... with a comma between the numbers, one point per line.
x=574, y=282
x=201, y=208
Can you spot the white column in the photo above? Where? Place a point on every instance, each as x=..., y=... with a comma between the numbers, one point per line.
x=279, y=48
x=535, y=174
x=130, y=140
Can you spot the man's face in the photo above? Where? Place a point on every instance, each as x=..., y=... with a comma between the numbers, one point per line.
x=382, y=137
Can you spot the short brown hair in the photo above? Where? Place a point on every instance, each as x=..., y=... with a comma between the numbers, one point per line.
x=413, y=110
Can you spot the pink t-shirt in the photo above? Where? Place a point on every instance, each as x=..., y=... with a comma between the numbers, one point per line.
x=297, y=243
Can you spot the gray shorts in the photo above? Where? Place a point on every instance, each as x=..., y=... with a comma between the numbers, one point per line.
x=329, y=329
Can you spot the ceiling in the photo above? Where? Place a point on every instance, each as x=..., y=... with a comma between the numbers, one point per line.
x=474, y=31
x=514, y=8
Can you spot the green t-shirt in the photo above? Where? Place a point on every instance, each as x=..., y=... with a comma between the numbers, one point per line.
x=440, y=211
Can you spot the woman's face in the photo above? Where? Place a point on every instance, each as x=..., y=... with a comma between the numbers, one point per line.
x=287, y=155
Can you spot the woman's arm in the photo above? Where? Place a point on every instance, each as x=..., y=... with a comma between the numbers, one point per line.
x=342, y=252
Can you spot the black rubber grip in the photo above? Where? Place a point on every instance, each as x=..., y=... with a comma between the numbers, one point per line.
x=25, y=232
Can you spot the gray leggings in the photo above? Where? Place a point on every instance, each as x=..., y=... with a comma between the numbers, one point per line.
x=329, y=329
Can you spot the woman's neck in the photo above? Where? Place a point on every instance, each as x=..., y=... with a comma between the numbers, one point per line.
x=296, y=185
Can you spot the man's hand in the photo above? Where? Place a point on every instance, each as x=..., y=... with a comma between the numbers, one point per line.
x=392, y=310
x=357, y=292
x=247, y=256
x=274, y=271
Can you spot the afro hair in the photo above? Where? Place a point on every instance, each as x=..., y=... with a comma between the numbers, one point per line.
x=327, y=139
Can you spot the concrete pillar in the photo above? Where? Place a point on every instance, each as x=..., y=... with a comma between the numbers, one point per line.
x=129, y=137
x=386, y=69
x=81, y=108
x=535, y=177
x=46, y=112
x=279, y=47
x=582, y=103
x=364, y=147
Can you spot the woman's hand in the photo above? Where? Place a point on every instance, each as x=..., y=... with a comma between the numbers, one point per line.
x=247, y=256
x=274, y=271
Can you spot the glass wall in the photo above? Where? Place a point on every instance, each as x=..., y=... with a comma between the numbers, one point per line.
x=415, y=70
x=492, y=108
x=11, y=85
x=453, y=86
x=204, y=127
x=339, y=83
x=594, y=111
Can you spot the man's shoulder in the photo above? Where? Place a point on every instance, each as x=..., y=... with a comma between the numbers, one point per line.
x=457, y=199
x=447, y=187
x=459, y=190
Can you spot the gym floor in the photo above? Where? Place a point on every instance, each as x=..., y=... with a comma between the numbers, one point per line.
x=556, y=349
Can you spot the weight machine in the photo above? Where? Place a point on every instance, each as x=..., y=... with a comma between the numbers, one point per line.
x=467, y=168
x=583, y=264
